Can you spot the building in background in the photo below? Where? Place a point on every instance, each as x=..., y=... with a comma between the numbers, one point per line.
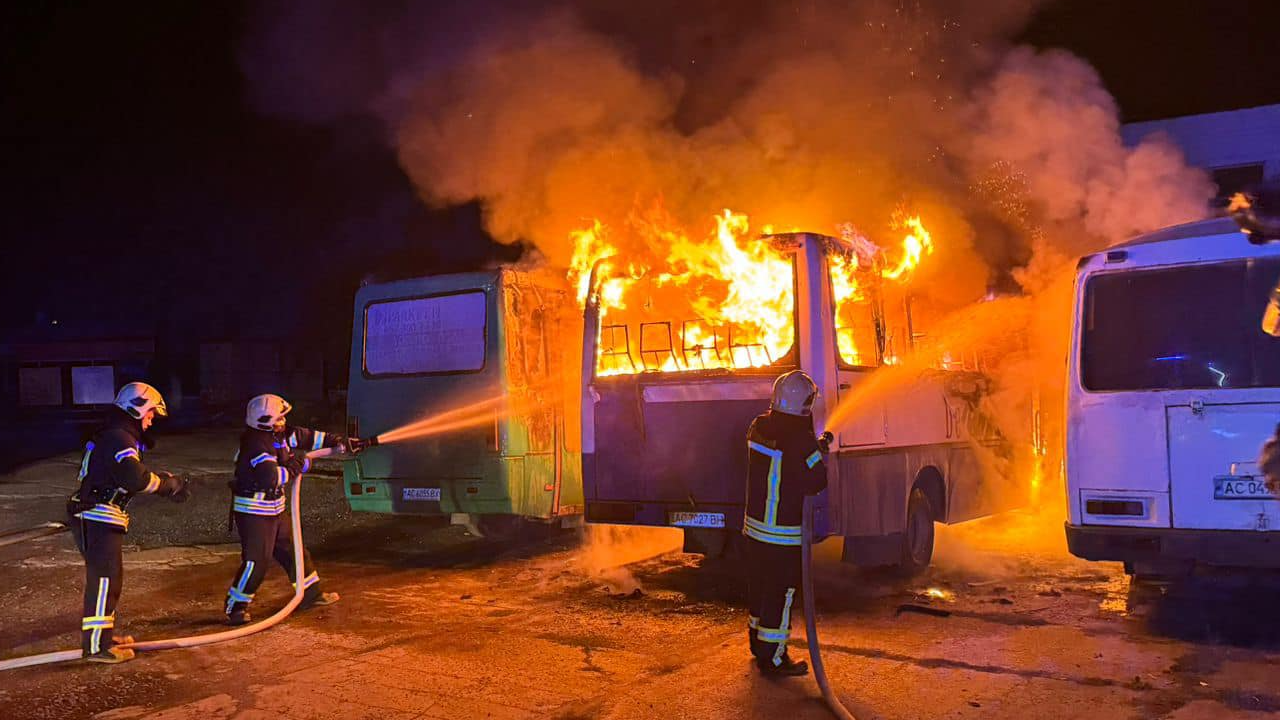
x=70, y=378
x=232, y=371
x=1238, y=147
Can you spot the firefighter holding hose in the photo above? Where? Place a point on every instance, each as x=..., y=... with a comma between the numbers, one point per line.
x=784, y=464
x=111, y=473
x=271, y=454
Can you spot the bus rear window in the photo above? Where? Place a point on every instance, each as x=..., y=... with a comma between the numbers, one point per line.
x=439, y=334
x=1195, y=327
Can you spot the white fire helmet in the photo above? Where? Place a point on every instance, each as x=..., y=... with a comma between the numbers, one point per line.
x=794, y=393
x=137, y=398
x=266, y=411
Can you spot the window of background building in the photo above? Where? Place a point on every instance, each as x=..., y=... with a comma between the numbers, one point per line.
x=1231, y=180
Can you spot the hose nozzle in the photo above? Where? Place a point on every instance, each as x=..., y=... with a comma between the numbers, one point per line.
x=825, y=440
x=359, y=444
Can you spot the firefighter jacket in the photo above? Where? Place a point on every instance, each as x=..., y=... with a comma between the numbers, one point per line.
x=111, y=473
x=784, y=464
x=267, y=461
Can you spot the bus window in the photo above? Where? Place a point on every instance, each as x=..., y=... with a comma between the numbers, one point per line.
x=437, y=334
x=1194, y=327
x=1263, y=275
x=925, y=318
x=897, y=324
x=669, y=326
x=853, y=293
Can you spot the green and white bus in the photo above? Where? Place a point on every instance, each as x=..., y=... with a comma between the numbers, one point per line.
x=428, y=345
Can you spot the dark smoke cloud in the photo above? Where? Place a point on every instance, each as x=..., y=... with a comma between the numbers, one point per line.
x=803, y=114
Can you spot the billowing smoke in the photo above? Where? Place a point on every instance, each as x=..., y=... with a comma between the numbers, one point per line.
x=803, y=115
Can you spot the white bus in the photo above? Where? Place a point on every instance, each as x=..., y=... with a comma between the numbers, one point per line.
x=1173, y=387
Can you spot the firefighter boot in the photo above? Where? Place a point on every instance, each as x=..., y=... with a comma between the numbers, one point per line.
x=111, y=655
x=235, y=618
x=787, y=667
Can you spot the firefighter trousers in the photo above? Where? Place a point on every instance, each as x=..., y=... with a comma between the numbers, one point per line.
x=263, y=537
x=100, y=545
x=773, y=590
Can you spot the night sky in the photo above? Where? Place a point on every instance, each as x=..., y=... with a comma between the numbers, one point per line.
x=143, y=194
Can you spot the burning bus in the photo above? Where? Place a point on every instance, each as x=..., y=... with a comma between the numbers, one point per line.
x=678, y=359
x=489, y=359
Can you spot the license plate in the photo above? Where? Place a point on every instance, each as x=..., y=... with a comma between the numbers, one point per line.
x=412, y=493
x=1241, y=487
x=697, y=519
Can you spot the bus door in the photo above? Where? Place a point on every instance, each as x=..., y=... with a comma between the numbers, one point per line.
x=859, y=348
x=530, y=451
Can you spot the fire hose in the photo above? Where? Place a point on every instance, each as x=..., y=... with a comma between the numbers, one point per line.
x=295, y=521
x=811, y=615
x=13, y=537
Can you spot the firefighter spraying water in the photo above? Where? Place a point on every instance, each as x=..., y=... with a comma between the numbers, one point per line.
x=112, y=473
x=272, y=454
x=785, y=464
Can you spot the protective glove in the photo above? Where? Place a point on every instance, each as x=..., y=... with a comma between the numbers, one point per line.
x=297, y=464
x=824, y=442
x=355, y=445
x=183, y=491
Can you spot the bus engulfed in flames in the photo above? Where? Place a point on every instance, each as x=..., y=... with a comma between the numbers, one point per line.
x=863, y=280
x=725, y=300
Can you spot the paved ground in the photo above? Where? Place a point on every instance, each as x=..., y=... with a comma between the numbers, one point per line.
x=435, y=624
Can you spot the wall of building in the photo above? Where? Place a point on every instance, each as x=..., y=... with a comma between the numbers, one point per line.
x=1237, y=146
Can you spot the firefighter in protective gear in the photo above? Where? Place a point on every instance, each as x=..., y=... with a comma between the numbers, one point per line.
x=271, y=454
x=111, y=473
x=784, y=464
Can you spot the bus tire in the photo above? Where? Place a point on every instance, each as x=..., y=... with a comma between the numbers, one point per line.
x=917, y=539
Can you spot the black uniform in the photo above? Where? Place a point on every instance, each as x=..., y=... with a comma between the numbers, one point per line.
x=265, y=464
x=111, y=473
x=784, y=464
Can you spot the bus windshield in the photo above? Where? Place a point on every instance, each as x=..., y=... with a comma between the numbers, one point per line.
x=1192, y=327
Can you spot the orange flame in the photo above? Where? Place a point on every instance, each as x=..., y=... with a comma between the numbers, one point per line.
x=725, y=300
x=721, y=301
x=856, y=331
x=915, y=246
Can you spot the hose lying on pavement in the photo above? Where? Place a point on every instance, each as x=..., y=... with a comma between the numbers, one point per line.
x=810, y=615
x=295, y=522
x=12, y=537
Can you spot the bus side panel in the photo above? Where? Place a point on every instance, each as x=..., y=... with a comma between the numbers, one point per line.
x=539, y=485
x=870, y=496
x=679, y=453
x=571, y=477
x=364, y=496
x=981, y=480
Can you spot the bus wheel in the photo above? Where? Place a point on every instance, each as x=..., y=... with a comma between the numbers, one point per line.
x=917, y=542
